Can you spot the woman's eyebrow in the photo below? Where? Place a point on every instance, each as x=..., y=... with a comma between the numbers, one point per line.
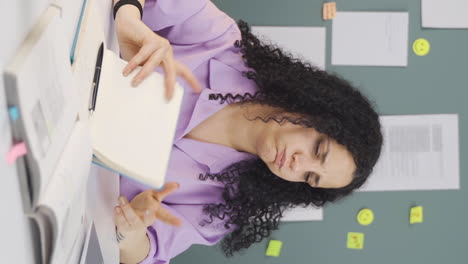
x=324, y=156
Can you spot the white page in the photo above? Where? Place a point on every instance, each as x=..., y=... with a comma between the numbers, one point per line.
x=444, y=14
x=47, y=97
x=420, y=152
x=90, y=38
x=370, y=38
x=103, y=192
x=131, y=126
x=66, y=192
x=307, y=42
x=70, y=16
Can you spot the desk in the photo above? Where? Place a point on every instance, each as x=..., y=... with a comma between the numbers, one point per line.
x=17, y=17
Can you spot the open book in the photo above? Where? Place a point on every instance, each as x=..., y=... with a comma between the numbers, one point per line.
x=132, y=128
x=38, y=81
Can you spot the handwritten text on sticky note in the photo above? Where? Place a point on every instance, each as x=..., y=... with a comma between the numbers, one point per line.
x=355, y=240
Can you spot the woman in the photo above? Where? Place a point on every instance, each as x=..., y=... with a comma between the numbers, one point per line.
x=267, y=132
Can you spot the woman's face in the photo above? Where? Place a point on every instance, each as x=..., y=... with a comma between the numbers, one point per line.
x=300, y=154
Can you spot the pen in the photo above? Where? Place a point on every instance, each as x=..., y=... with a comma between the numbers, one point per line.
x=97, y=74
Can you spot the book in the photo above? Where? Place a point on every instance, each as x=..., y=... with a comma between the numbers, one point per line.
x=53, y=173
x=132, y=128
x=129, y=130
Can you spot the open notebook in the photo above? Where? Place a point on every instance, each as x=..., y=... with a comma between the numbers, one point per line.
x=132, y=128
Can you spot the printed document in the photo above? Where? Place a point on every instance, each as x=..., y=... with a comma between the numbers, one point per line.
x=420, y=152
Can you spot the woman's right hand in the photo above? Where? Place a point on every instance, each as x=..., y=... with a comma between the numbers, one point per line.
x=140, y=46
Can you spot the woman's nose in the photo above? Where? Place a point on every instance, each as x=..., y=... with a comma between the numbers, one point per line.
x=300, y=162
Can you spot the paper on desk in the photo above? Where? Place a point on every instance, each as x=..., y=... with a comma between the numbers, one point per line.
x=103, y=192
x=70, y=16
x=370, y=38
x=420, y=152
x=65, y=193
x=444, y=14
x=307, y=42
x=90, y=38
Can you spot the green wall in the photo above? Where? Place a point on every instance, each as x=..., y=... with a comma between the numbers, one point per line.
x=436, y=83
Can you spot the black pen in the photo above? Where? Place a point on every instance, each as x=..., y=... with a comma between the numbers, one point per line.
x=97, y=74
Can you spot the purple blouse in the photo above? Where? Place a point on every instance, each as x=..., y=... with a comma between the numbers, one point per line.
x=203, y=39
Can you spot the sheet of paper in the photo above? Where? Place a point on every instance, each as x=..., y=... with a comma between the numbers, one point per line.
x=48, y=112
x=444, y=14
x=370, y=38
x=103, y=191
x=65, y=194
x=90, y=38
x=303, y=214
x=70, y=15
x=420, y=152
x=307, y=42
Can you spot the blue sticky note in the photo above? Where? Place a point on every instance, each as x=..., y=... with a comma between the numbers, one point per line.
x=14, y=113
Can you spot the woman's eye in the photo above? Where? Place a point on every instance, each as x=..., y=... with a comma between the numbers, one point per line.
x=307, y=177
x=317, y=148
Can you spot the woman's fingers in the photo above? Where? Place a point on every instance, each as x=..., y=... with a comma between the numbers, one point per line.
x=148, y=217
x=164, y=215
x=149, y=66
x=120, y=220
x=143, y=54
x=132, y=218
x=169, y=69
x=168, y=188
x=187, y=74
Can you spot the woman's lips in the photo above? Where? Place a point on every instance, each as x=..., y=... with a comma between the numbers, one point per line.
x=280, y=159
x=283, y=158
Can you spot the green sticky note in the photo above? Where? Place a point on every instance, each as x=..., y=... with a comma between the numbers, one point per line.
x=355, y=240
x=416, y=215
x=274, y=248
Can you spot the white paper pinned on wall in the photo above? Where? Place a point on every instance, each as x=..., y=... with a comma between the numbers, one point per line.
x=306, y=42
x=370, y=39
x=444, y=14
x=420, y=152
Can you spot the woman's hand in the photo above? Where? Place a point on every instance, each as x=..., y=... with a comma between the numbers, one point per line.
x=132, y=220
x=139, y=45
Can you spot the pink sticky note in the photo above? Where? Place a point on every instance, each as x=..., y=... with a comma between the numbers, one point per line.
x=16, y=151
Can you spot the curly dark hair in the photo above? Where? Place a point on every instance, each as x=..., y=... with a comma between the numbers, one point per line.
x=255, y=198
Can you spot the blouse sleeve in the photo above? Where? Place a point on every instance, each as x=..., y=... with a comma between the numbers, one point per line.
x=168, y=241
x=186, y=21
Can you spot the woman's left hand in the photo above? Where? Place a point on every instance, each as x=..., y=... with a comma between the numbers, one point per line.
x=132, y=219
x=131, y=224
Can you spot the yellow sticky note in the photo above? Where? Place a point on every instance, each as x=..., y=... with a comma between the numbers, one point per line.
x=355, y=240
x=274, y=248
x=416, y=215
